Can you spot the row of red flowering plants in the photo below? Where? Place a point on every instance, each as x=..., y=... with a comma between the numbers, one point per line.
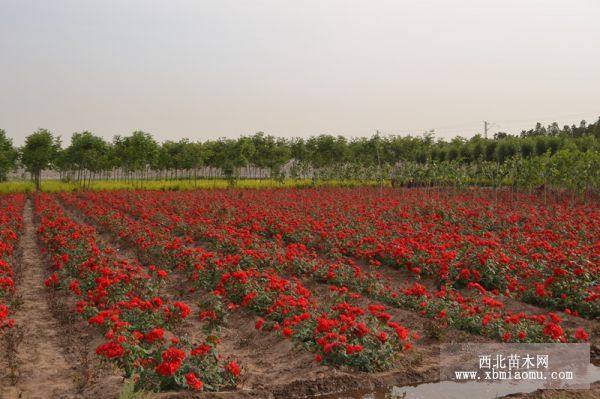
x=11, y=223
x=546, y=254
x=123, y=301
x=338, y=330
x=481, y=312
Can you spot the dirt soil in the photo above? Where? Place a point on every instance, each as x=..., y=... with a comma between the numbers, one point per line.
x=42, y=368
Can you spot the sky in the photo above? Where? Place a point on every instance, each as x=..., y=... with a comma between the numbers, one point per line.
x=209, y=69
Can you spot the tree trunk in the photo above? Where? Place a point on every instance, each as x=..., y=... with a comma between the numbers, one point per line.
x=37, y=180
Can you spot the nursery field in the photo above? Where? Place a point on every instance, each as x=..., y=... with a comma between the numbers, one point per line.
x=282, y=292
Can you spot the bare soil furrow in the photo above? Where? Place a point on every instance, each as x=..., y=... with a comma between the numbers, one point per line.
x=43, y=369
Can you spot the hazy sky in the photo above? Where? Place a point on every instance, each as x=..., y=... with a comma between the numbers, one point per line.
x=206, y=69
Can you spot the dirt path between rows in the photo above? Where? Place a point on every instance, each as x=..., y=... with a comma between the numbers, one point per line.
x=43, y=370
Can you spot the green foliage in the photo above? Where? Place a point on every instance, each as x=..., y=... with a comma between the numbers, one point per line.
x=136, y=152
x=87, y=153
x=40, y=151
x=424, y=159
x=569, y=169
x=8, y=155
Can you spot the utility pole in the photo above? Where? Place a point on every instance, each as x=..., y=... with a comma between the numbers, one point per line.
x=485, y=128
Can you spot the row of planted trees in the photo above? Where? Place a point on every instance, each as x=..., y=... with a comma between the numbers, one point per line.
x=575, y=171
x=418, y=160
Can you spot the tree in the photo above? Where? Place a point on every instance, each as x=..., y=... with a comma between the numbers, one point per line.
x=170, y=156
x=505, y=150
x=188, y=155
x=540, y=146
x=477, y=148
x=326, y=151
x=526, y=148
x=452, y=153
x=39, y=152
x=270, y=152
x=465, y=154
x=163, y=161
x=194, y=156
x=8, y=155
x=595, y=130
x=87, y=154
x=229, y=156
x=490, y=150
x=136, y=152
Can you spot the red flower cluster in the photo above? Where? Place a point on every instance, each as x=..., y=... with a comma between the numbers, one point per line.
x=233, y=368
x=171, y=362
x=11, y=223
x=193, y=382
x=111, y=350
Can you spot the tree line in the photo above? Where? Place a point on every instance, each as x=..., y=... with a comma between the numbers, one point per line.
x=320, y=157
